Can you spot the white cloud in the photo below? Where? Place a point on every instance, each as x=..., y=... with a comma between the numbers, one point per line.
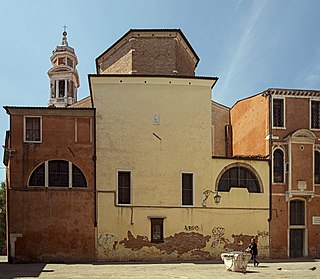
x=242, y=50
x=311, y=79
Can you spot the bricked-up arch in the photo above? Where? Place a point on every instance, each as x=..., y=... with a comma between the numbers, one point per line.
x=57, y=173
x=239, y=176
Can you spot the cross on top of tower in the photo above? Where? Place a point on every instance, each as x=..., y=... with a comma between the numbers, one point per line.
x=64, y=39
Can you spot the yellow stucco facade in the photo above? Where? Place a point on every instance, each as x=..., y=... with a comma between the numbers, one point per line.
x=156, y=129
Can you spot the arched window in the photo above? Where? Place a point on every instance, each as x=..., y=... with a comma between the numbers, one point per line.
x=278, y=166
x=239, y=177
x=57, y=173
x=37, y=177
x=317, y=167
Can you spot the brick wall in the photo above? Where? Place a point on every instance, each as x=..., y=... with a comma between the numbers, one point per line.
x=149, y=53
x=119, y=61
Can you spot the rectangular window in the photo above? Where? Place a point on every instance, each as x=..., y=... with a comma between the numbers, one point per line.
x=32, y=129
x=124, y=187
x=156, y=230
x=187, y=189
x=278, y=113
x=297, y=214
x=315, y=115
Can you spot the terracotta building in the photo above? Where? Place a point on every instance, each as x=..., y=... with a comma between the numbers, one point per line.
x=49, y=154
x=284, y=125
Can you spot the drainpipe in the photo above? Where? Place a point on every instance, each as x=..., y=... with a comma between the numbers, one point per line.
x=95, y=184
x=270, y=169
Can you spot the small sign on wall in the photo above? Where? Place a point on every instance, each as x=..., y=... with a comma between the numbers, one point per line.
x=156, y=119
x=315, y=220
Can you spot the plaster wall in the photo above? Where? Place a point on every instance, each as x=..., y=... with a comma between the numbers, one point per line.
x=156, y=155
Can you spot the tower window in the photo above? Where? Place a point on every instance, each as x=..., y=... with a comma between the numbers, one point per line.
x=61, y=61
x=69, y=62
x=61, y=88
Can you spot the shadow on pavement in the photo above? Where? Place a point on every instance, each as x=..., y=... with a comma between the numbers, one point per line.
x=11, y=271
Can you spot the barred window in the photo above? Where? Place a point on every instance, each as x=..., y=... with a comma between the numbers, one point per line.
x=297, y=215
x=317, y=167
x=187, y=189
x=124, y=187
x=156, y=230
x=315, y=115
x=278, y=166
x=239, y=177
x=278, y=113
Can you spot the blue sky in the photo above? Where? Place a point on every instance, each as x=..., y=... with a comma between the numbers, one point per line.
x=251, y=45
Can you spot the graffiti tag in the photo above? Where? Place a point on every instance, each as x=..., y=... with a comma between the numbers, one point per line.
x=193, y=228
x=108, y=242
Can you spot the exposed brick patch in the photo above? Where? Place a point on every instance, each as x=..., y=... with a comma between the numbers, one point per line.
x=180, y=243
x=240, y=242
x=184, y=242
x=136, y=243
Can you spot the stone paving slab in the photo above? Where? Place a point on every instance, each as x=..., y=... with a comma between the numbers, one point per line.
x=195, y=270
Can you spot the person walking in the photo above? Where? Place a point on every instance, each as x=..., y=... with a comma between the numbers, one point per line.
x=253, y=248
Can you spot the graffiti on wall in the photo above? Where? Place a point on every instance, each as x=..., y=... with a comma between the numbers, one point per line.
x=193, y=228
x=108, y=242
x=218, y=237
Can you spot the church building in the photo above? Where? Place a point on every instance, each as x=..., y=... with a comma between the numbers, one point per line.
x=143, y=169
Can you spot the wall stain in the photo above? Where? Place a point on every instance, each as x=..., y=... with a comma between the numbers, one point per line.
x=136, y=243
x=202, y=254
x=263, y=234
x=179, y=243
x=240, y=242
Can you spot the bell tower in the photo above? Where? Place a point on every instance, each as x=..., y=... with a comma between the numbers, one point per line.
x=64, y=78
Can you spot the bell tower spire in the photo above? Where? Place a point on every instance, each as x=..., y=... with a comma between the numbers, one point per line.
x=63, y=75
